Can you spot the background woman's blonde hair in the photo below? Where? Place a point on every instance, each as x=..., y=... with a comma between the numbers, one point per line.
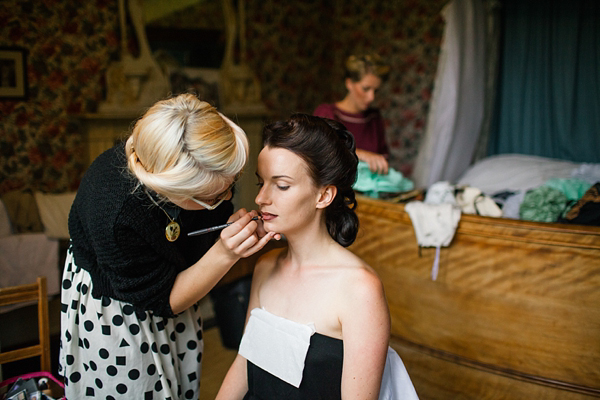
x=357, y=66
x=183, y=147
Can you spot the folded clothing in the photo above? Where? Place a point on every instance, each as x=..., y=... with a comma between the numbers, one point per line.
x=372, y=183
x=544, y=204
x=470, y=200
x=574, y=189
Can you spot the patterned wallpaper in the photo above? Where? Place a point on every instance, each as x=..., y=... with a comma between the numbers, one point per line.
x=296, y=48
x=70, y=45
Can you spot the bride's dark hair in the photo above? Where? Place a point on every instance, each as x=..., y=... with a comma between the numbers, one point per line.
x=329, y=152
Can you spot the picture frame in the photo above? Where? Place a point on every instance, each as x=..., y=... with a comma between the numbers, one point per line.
x=13, y=73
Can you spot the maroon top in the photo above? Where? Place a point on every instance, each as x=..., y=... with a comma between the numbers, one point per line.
x=367, y=127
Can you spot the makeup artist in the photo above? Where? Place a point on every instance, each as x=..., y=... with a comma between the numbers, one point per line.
x=130, y=322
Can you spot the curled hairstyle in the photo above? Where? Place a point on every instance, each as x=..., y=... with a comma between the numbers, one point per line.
x=357, y=66
x=329, y=152
x=183, y=147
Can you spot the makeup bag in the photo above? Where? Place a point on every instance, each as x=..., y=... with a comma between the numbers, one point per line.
x=35, y=385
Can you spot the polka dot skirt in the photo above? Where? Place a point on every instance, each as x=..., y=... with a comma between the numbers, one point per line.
x=109, y=351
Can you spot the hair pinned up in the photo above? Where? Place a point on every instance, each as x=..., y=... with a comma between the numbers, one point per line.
x=357, y=66
x=329, y=152
x=183, y=147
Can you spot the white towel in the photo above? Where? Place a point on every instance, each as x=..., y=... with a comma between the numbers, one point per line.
x=277, y=345
x=434, y=225
x=396, y=383
x=440, y=193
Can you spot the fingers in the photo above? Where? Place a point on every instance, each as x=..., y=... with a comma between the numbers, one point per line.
x=259, y=244
x=249, y=244
x=243, y=237
x=243, y=224
x=383, y=165
x=237, y=215
x=378, y=164
x=246, y=236
x=260, y=230
x=373, y=166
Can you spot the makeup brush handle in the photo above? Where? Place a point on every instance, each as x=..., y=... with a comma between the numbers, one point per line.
x=214, y=228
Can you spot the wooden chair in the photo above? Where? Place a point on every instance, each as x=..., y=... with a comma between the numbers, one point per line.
x=26, y=293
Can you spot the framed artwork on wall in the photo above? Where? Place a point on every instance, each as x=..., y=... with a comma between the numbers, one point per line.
x=13, y=73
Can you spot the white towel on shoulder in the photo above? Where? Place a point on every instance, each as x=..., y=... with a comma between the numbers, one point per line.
x=277, y=345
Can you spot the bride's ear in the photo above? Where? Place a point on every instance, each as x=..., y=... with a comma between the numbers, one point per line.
x=326, y=196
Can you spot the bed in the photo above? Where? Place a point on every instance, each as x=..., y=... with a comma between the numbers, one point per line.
x=514, y=312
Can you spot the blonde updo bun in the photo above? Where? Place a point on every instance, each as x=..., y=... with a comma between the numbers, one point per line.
x=183, y=147
x=357, y=66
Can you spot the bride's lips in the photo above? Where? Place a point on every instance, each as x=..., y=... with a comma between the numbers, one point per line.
x=267, y=216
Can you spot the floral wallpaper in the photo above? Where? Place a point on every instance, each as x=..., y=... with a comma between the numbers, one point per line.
x=290, y=48
x=69, y=46
x=296, y=48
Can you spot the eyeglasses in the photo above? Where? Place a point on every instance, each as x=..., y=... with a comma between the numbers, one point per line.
x=216, y=202
x=207, y=206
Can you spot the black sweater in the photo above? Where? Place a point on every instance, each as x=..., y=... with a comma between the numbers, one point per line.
x=118, y=236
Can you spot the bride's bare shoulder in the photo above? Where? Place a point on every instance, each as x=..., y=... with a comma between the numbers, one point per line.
x=359, y=276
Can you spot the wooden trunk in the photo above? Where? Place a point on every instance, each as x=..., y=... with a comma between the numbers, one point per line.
x=513, y=314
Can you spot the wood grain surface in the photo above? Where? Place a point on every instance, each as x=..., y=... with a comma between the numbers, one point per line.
x=514, y=312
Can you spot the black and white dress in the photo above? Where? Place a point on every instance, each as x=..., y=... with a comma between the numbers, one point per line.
x=289, y=360
x=119, y=335
x=121, y=353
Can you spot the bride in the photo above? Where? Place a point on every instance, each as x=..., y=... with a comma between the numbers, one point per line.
x=318, y=324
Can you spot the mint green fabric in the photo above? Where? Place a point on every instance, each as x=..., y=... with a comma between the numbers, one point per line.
x=574, y=189
x=371, y=184
x=543, y=204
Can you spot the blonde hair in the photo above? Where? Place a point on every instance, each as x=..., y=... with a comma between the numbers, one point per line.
x=357, y=66
x=183, y=147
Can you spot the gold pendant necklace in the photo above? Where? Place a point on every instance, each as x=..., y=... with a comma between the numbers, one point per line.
x=173, y=229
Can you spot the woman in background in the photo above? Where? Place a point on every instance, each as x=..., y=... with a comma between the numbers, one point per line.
x=363, y=76
x=318, y=324
x=130, y=322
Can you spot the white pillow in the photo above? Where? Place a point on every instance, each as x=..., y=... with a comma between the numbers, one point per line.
x=514, y=172
x=5, y=225
x=54, y=211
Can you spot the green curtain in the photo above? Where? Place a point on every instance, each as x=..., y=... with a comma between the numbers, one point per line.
x=549, y=81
